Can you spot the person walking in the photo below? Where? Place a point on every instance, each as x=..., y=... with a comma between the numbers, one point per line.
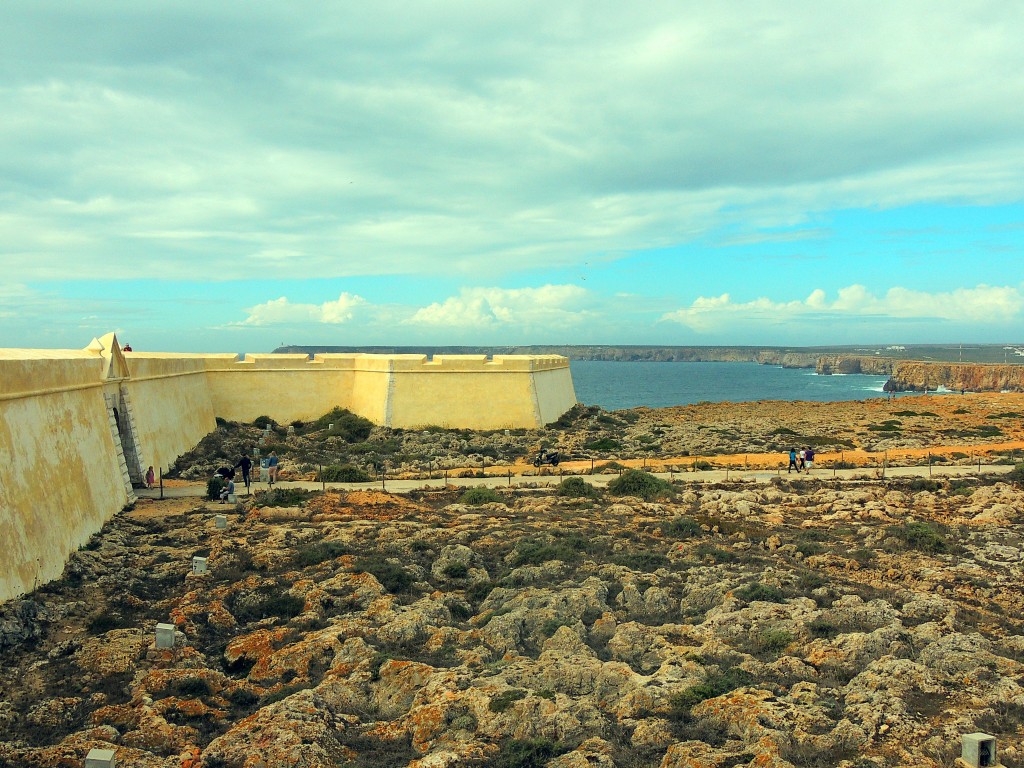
x=792, y=461
x=808, y=459
x=801, y=456
x=150, y=477
x=272, y=467
x=244, y=464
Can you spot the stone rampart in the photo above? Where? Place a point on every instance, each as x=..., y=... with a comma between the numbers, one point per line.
x=60, y=480
x=79, y=427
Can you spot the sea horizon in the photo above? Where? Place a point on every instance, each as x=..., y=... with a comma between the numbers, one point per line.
x=617, y=385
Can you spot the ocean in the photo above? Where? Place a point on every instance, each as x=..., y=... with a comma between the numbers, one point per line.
x=616, y=385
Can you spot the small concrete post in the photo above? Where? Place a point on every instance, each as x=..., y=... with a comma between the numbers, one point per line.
x=291, y=430
x=198, y=564
x=100, y=758
x=165, y=635
x=221, y=521
x=232, y=498
x=978, y=750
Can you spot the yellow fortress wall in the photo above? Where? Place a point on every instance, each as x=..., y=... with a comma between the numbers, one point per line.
x=59, y=483
x=79, y=427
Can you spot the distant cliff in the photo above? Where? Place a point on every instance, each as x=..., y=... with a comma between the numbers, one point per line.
x=868, y=364
x=787, y=357
x=910, y=376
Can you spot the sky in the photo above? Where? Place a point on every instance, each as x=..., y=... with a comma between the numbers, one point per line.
x=234, y=176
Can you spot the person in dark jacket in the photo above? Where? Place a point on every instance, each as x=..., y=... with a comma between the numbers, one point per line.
x=245, y=465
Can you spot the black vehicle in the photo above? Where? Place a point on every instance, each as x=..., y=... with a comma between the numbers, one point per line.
x=545, y=456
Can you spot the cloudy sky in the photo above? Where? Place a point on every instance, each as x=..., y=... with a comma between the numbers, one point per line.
x=232, y=176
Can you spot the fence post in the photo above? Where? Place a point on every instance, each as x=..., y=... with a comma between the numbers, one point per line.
x=323, y=482
x=161, y=482
x=510, y=477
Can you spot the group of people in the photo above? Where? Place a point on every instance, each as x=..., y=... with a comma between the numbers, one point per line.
x=244, y=464
x=801, y=459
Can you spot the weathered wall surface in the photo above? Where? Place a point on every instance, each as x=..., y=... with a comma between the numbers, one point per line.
x=172, y=405
x=284, y=387
x=464, y=391
x=60, y=482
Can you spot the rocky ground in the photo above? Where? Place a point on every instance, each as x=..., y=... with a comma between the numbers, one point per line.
x=803, y=623
x=947, y=427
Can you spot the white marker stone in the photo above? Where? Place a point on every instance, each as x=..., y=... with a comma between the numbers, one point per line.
x=165, y=635
x=198, y=564
x=100, y=758
x=221, y=521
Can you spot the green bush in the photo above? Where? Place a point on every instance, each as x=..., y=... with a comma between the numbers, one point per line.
x=480, y=495
x=267, y=602
x=506, y=699
x=343, y=473
x=577, y=488
x=1016, y=475
x=636, y=482
x=716, y=684
x=214, y=486
x=761, y=592
x=347, y=425
x=456, y=570
x=682, y=528
x=640, y=561
x=320, y=552
x=263, y=422
x=526, y=753
x=770, y=641
x=603, y=444
x=534, y=551
x=283, y=497
x=392, y=576
x=922, y=536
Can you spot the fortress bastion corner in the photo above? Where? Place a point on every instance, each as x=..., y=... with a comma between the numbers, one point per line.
x=99, y=416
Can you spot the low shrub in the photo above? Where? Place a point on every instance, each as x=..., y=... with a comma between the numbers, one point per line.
x=924, y=537
x=526, y=753
x=682, y=528
x=1015, y=475
x=506, y=699
x=640, y=561
x=343, y=473
x=717, y=683
x=603, y=444
x=320, y=552
x=761, y=592
x=283, y=497
x=392, y=576
x=214, y=486
x=266, y=603
x=577, y=488
x=769, y=641
x=636, y=482
x=480, y=495
x=345, y=424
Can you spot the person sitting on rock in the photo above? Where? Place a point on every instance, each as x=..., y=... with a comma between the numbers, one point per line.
x=227, y=491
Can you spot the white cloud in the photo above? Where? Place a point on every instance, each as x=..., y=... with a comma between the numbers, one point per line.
x=488, y=307
x=981, y=304
x=283, y=312
x=493, y=138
